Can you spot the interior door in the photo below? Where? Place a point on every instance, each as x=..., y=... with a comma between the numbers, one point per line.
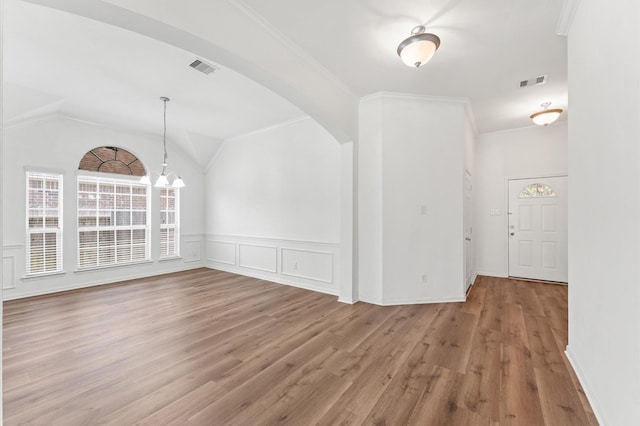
x=538, y=228
x=468, y=231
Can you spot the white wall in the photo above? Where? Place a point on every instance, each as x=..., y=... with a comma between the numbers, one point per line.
x=273, y=206
x=410, y=199
x=528, y=152
x=57, y=144
x=604, y=207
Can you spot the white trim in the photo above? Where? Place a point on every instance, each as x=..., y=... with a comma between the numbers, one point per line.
x=43, y=275
x=275, y=279
x=279, y=240
x=112, y=176
x=418, y=301
x=107, y=281
x=113, y=267
x=11, y=283
x=347, y=301
x=170, y=258
x=567, y=15
x=492, y=274
x=275, y=252
x=43, y=170
x=586, y=387
x=330, y=254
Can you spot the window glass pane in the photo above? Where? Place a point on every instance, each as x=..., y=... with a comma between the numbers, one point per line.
x=123, y=218
x=106, y=201
x=121, y=223
x=537, y=190
x=139, y=218
x=44, y=212
x=87, y=187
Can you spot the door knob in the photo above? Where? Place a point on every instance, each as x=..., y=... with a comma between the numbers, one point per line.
x=512, y=234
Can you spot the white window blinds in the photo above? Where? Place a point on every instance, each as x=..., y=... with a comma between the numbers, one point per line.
x=169, y=222
x=112, y=222
x=44, y=223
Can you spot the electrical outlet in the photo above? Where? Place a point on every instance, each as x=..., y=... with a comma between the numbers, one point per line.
x=425, y=279
x=295, y=266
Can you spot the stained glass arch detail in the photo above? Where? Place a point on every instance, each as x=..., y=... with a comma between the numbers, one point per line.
x=537, y=190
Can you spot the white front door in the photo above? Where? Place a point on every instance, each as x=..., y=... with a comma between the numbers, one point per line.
x=538, y=228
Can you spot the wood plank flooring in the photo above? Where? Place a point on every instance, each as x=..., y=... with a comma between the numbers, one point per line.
x=206, y=347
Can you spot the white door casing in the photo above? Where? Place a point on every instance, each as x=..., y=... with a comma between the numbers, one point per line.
x=537, y=229
x=468, y=231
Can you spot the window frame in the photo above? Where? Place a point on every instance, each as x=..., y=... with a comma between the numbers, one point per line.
x=111, y=225
x=165, y=219
x=57, y=230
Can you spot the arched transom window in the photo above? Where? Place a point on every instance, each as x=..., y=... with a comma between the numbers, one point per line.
x=537, y=190
x=110, y=159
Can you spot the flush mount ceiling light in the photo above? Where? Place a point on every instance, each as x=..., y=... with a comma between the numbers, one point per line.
x=546, y=116
x=418, y=48
x=163, y=179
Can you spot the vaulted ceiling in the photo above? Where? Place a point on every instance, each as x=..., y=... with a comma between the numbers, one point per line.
x=55, y=61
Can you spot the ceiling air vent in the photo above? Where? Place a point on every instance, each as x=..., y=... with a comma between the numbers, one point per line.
x=202, y=66
x=535, y=81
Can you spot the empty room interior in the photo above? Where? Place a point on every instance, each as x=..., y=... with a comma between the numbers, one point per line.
x=240, y=212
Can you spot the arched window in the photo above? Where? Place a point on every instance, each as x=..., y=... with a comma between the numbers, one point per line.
x=537, y=190
x=110, y=159
x=113, y=212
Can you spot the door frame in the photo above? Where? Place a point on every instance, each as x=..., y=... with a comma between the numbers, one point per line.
x=505, y=220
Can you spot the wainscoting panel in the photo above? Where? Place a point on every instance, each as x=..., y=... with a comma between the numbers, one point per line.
x=311, y=265
x=8, y=272
x=306, y=264
x=191, y=248
x=262, y=258
x=221, y=252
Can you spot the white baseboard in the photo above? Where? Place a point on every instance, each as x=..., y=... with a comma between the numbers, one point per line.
x=400, y=301
x=269, y=277
x=597, y=411
x=95, y=283
x=493, y=274
x=348, y=301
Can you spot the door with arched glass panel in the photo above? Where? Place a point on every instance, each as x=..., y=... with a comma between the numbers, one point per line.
x=538, y=228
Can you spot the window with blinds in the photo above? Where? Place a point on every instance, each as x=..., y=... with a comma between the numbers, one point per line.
x=112, y=222
x=44, y=223
x=169, y=222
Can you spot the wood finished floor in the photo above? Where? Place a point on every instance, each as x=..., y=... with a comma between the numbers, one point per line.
x=206, y=347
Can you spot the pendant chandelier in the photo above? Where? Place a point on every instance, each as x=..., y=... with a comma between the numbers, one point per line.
x=163, y=179
x=418, y=49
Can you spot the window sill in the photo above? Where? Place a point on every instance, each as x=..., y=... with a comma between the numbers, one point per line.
x=112, y=267
x=169, y=258
x=43, y=275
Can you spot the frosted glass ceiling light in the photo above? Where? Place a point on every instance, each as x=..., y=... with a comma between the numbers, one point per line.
x=546, y=116
x=163, y=179
x=418, y=48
